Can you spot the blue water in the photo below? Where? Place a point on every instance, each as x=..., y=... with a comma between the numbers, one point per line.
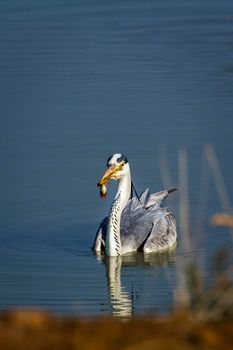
x=80, y=80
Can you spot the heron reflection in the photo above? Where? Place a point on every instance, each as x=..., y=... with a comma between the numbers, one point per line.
x=122, y=300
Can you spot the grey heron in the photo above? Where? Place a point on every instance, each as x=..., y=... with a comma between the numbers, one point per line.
x=133, y=223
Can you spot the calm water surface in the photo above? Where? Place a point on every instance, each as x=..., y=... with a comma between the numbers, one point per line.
x=80, y=80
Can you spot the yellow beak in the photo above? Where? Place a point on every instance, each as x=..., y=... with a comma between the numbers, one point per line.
x=109, y=174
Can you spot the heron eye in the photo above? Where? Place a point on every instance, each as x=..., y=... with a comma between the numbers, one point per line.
x=122, y=165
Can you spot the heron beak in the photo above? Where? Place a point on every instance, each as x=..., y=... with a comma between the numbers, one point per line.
x=108, y=175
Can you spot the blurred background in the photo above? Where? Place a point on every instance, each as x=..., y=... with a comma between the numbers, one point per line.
x=80, y=80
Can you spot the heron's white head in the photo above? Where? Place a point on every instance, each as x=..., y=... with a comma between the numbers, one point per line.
x=117, y=168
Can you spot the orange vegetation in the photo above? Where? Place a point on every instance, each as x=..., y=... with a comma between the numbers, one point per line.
x=224, y=220
x=33, y=330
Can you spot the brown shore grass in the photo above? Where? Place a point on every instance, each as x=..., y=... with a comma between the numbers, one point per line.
x=36, y=330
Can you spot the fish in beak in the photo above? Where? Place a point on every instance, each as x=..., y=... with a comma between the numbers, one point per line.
x=109, y=174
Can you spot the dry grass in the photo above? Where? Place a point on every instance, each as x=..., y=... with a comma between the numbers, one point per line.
x=36, y=331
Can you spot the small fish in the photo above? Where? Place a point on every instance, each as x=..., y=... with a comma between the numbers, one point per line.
x=103, y=191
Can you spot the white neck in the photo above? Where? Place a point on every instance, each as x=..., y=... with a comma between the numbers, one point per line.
x=113, y=239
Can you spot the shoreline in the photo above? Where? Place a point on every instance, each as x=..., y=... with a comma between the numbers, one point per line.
x=30, y=329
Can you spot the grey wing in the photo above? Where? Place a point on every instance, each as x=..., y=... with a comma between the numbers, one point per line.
x=145, y=225
x=163, y=234
x=147, y=200
x=136, y=223
x=99, y=242
x=158, y=197
x=135, y=230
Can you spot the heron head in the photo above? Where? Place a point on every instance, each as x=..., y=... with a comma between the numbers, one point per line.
x=117, y=167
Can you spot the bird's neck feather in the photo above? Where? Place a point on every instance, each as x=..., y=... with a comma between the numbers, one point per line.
x=113, y=239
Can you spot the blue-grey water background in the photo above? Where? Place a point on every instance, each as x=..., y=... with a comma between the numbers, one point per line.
x=80, y=80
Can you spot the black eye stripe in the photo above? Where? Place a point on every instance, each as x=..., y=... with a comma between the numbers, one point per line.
x=118, y=160
x=122, y=158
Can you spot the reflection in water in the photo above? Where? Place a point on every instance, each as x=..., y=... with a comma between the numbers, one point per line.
x=120, y=300
x=122, y=303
